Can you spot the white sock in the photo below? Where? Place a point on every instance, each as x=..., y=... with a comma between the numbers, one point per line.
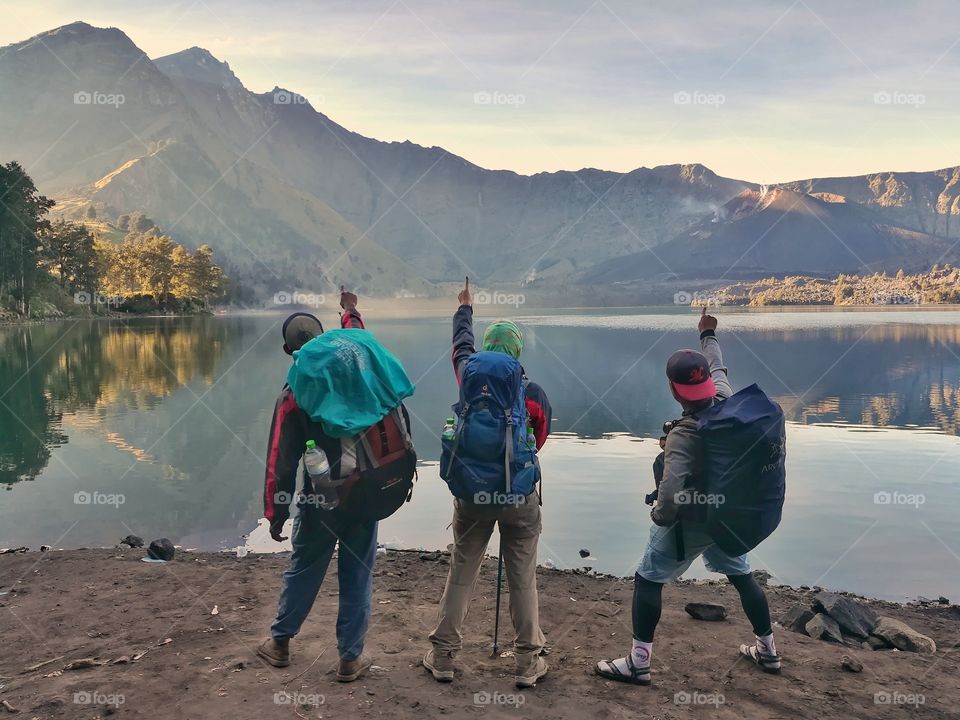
x=641, y=652
x=765, y=644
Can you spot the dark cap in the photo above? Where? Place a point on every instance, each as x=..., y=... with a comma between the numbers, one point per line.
x=689, y=374
x=298, y=329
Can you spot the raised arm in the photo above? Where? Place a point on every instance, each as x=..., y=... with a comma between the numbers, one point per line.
x=710, y=346
x=463, y=340
x=350, y=317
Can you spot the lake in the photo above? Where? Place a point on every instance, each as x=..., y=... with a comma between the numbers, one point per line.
x=158, y=427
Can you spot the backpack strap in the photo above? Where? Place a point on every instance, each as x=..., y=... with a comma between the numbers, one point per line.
x=508, y=450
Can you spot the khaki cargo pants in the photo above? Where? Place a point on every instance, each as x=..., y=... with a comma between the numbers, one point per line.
x=519, y=533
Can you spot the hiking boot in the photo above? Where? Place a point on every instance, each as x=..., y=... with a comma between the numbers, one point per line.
x=350, y=670
x=275, y=651
x=440, y=664
x=529, y=670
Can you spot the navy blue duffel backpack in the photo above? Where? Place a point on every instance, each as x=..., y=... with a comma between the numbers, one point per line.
x=744, y=445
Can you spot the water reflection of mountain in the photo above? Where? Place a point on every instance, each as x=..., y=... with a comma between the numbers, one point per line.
x=605, y=379
x=55, y=371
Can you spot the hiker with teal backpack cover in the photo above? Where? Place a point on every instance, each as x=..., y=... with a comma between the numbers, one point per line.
x=489, y=462
x=721, y=494
x=341, y=417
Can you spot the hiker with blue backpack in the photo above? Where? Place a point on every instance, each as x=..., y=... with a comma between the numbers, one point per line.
x=721, y=494
x=341, y=413
x=489, y=461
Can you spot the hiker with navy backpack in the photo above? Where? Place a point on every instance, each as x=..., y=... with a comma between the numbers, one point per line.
x=341, y=413
x=721, y=495
x=489, y=461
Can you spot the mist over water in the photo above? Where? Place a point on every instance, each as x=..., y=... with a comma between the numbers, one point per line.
x=161, y=426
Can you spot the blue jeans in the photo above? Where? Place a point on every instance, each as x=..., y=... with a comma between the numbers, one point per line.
x=315, y=534
x=660, y=564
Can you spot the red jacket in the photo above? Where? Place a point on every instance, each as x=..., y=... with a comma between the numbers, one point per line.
x=288, y=437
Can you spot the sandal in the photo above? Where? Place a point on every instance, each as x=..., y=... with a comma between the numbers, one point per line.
x=767, y=663
x=636, y=676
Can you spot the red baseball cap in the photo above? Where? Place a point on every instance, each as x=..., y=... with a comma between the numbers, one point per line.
x=689, y=375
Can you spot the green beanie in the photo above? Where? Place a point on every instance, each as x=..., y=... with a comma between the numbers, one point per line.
x=503, y=336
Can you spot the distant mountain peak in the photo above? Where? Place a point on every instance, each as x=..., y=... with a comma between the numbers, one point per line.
x=200, y=65
x=80, y=32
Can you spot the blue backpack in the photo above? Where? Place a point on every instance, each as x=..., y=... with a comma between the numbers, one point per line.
x=744, y=445
x=488, y=460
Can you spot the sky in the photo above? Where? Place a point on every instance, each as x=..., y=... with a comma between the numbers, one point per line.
x=761, y=90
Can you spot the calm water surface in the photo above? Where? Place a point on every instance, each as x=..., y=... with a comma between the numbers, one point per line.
x=170, y=416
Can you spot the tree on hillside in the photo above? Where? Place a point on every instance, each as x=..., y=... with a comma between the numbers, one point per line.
x=156, y=270
x=68, y=251
x=22, y=211
x=206, y=278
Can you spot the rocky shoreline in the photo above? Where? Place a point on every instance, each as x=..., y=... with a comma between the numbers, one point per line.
x=92, y=633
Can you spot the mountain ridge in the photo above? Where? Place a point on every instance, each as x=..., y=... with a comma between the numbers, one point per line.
x=437, y=214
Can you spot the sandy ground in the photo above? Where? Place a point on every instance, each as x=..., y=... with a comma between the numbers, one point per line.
x=63, y=606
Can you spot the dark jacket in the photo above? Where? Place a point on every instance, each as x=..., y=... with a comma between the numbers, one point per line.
x=289, y=431
x=683, y=454
x=538, y=406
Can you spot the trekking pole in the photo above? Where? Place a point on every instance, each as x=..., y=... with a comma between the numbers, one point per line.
x=496, y=622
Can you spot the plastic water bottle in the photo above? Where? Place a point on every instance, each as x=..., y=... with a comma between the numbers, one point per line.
x=450, y=429
x=531, y=436
x=315, y=461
